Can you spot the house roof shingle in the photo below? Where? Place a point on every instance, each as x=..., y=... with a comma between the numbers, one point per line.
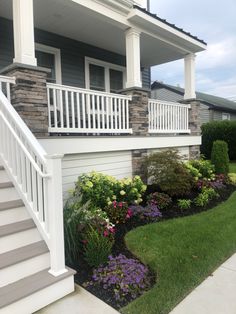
x=210, y=100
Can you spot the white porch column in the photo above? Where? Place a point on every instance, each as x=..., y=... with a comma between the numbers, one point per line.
x=23, y=23
x=133, y=58
x=189, y=65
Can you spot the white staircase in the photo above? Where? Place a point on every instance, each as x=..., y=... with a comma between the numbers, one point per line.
x=25, y=283
x=32, y=261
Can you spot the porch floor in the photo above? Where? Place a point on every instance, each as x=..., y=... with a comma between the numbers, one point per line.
x=78, y=302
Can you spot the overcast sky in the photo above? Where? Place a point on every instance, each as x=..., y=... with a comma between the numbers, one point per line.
x=214, y=22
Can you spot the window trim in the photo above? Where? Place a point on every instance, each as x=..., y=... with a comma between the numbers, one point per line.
x=107, y=67
x=57, y=54
x=227, y=114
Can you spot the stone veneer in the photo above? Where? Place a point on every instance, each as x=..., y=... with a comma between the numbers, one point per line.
x=195, y=127
x=29, y=96
x=138, y=118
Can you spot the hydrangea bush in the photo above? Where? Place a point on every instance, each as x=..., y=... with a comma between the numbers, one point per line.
x=125, y=276
x=101, y=189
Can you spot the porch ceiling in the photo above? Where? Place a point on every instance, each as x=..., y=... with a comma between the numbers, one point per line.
x=73, y=20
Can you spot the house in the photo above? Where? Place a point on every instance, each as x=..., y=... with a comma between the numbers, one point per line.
x=212, y=108
x=75, y=81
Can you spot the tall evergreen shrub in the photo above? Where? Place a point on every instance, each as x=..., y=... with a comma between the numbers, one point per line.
x=220, y=157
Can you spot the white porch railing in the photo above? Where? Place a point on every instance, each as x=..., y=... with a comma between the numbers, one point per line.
x=5, y=83
x=77, y=110
x=168, y=117
x=37, y=178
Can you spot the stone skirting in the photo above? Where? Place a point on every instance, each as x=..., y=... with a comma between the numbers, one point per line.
x=29, y=96
x=138, y=158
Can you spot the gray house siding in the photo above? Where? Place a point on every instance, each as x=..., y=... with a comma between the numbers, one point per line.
x=72, y=54
x=217, y=115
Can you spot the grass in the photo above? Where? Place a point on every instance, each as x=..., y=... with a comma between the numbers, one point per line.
x=183, y=252
x=232, y=167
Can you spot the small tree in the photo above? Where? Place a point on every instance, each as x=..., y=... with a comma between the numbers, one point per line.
x=220, y=157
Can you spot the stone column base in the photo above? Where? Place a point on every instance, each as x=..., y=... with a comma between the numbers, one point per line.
x=29, y=96
x=194, y=152
x=138, y=158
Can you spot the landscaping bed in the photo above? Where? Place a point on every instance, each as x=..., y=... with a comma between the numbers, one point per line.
x=103, y=212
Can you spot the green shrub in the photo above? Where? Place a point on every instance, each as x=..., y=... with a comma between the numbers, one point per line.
x=184, y=203
x=161, y=200
x=220, y=157
x=97, y=248
x=101, y=189
x=219, y=130
x=117, y=212
x=201, y=200
x=210, y=192
x=74, y=215
x=201, y=168
x=167, y=170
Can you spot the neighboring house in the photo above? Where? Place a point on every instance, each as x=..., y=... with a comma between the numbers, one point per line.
x=212, y=108
x=76, y=75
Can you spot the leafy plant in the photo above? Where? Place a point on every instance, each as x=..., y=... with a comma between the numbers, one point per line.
x=201, y=169
x=161, y=200
x=118, y=212
x=97, y=247
x=74, y=215
x=220, y=157
x=127, y=277
x=201, y=200
x=184, y=203
x=150, y=212
x=167, y=170
x=101, y=189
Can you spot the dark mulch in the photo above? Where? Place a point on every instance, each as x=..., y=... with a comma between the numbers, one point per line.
x=84, y=272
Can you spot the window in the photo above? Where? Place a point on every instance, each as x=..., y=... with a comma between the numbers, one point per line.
x=49, y=57
x=103, y=76
x=225, y=116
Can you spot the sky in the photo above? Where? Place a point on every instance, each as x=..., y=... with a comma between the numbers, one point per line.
x=214, y=22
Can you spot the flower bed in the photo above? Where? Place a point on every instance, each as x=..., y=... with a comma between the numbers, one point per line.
x=95, y=226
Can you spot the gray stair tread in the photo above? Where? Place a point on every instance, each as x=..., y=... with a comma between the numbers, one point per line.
x=4, y=185
x=21, y=254
x=16, y=227
x=29, y=285
x=1, y=167
x=11, y=204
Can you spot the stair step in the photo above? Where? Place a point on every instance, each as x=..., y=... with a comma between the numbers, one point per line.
x=28, y=286
x=21, y=254
x=11, y=204
x=7, y=184
x=13, y=215
x=8, y=194
x=16, y=227
x=1, y=167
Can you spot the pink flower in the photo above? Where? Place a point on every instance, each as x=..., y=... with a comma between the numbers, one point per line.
x=129, y=213
x=106, y=233
x=120, y=204
x=112, y=230
x=114, y=204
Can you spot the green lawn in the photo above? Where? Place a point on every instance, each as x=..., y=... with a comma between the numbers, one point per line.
x=183, y=252
x=232, y=167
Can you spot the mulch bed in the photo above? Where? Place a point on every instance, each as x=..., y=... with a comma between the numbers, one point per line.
x=84, y=271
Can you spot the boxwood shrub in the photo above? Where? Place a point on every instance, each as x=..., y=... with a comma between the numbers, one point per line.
x=220, y=157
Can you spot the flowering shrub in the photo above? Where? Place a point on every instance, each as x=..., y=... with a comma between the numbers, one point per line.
x=204, y=169
x=150, y=212
x=101, y=189
x=97, y=247
x=125, y=276
x=118, y=212
x=161, y=200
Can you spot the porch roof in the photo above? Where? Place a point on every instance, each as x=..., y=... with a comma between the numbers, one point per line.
x=104, y=26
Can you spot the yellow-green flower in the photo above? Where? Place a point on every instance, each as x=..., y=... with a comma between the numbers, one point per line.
x=122, y=192
x=89, y=184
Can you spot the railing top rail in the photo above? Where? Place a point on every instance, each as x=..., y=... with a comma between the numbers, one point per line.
x=28, y=135
x=7, y=79
x=171, y=103
x=87, y=91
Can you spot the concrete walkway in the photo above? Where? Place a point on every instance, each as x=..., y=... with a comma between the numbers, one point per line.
x=216, y=295
x=79, y=302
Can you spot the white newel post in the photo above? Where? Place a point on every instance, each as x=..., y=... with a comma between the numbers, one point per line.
x=55, y=215
x=189, y=66
x=133, y=58
x=23, y=23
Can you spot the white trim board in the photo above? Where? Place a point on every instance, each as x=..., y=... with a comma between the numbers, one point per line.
x=57, y=54
x=79, y=145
